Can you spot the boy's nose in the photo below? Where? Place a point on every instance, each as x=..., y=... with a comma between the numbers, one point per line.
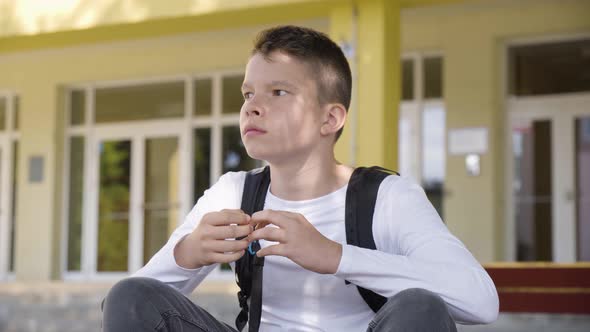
x=252, y=111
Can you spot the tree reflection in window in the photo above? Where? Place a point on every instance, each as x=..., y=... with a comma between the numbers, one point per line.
x=113, y=232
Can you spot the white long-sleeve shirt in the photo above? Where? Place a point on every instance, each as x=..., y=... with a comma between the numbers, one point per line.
x=414, y=250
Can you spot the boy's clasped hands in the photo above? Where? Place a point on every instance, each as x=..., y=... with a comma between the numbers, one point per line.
x=212, y=241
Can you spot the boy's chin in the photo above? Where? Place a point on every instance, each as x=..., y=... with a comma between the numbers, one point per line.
x=255, y=154
x=260, y=154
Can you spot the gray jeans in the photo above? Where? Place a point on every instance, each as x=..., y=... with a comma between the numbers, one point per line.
x=143, y=304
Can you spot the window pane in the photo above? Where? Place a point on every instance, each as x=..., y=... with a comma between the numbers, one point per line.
x=16, y=112
x=3, y=111
x=140, y=102
x=433, y=154
x=232, y=94
x=234, y=153
x=77, y=109
x=161, y=193
x=203, y=97
x=582, y=160
x=549, y=68
x=532, y=190
x=14, y=200
x=76, y=193
x=113, y=213
x=408, y=79
x=202, y=161
x=408, y=141
x=432, y=77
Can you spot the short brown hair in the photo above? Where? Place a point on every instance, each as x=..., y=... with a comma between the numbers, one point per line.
x=325, y=57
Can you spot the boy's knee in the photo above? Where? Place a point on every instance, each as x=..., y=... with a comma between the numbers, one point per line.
x=415, y=309
x=128, y=305
x=129, y=290
x=418, y=302
x=418, y=298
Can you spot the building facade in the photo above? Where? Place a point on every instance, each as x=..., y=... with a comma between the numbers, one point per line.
x=115, y=118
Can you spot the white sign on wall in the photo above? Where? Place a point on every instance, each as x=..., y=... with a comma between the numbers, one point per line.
x=468, y=141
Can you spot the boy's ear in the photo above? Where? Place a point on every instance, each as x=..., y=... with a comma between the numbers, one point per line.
x=334, y=119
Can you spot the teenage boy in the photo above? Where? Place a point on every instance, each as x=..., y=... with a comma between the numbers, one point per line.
x=296, y=92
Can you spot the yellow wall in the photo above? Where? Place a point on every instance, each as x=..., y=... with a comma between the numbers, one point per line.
x=472, y=38
x=370, y=134
x=29, y=17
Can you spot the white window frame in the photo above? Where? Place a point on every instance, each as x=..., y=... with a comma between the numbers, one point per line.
x=183, y=128
x=522, y=107
x=7, y=139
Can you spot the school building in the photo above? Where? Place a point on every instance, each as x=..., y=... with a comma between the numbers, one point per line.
x=115, y=116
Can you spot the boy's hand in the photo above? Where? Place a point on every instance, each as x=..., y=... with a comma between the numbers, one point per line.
x=212, y=241
x=297, y=240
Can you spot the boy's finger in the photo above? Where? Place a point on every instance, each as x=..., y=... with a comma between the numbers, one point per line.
x=225, y=246
x=273, y=234
x=236, y=211
x=228, y=218
x=271, y=216
x=259, y=224
x=229, y=231
x=274, y=250
x=227, y=257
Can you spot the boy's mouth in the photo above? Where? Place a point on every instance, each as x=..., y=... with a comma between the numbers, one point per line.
x=253, y=131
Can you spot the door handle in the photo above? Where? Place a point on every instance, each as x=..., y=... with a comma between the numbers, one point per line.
x=570, y=195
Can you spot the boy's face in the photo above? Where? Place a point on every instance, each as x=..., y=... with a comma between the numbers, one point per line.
x=281, y=116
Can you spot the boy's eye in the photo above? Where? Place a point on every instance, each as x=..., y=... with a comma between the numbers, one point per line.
x=247, y=95
x=279, y=92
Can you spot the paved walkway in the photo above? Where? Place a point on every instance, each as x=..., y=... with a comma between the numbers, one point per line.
x=73, y=307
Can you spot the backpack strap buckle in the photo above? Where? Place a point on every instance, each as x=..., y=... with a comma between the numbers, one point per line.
x=243, y=300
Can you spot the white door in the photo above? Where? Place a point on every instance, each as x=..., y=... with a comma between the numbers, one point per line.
x=134, y=196
x=550, y=178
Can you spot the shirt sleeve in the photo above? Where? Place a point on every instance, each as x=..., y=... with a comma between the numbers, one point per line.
x=416, y=250
x=225, y=194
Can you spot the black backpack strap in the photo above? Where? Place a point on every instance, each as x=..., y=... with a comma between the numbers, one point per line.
x=361, y=197
x=249, y=266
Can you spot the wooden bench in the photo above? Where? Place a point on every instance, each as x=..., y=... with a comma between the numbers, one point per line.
x=542, y=287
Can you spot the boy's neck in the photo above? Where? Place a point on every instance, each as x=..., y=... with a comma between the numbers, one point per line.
x=297, y=182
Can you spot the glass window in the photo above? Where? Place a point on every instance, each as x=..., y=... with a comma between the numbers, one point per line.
x=77, y=107
x=202, y=161
x=140, y=102
x=582, y=162
x=113, y=214
x=203, y=105
x=16, y=112
x=549, y=68
x=432, y=77
x=3, y=111
x=532, y=190
x=234, y=153
x=14, y=201
x=232, y=94
x=405, y=165
x=76, y=195
x=433, y=154
x=161, y=193
x=422, y=128
x=407, y=79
